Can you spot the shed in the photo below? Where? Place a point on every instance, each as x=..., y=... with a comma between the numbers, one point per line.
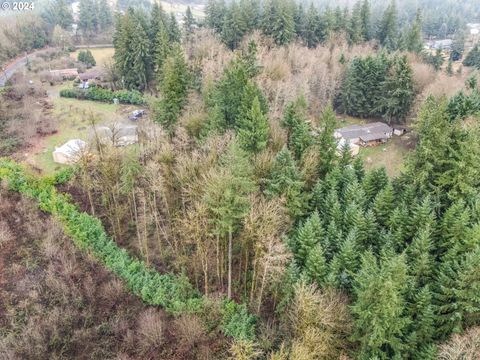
x=70, y=152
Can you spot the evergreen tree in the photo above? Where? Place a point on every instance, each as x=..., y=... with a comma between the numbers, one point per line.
x=413, y=39
x=285, y=180
x=158, y=21
x=388, y=29
x=141, y=61
x=399, y=91
x=227, y=199
x=355, y=26
x=215, y=13
x=253, y=129
x=173, y=30
x=345, y=264
x=374, y=182
x=234, y=87
x=300, y=138
x=87, y=16
x=188, y=21
x=162, y=50
x=234, y=27
x=379, y=309
x=311, y=31
x=473, y=58
x=250, y=10
x=420, y=258
x=422, y=327
x=57, y=12
x=327, y=143
x=315, y=266
x=283, y=25
x=104, y=15
x=306, y=238
x=384, y=204
x=365, y=14
x=174, y=88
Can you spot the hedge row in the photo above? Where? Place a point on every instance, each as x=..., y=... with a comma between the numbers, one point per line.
x=96, y=93
x=174, y=293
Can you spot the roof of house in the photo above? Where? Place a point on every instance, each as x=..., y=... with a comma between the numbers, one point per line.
x=65, y=72
x=378, y=129
x=92, y=74
x=373, y=137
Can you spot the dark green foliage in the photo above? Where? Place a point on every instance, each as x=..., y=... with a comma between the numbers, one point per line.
x=132, y=57
x=436, y=60
x=379, y=309
x=58, y=12
x=376, y=86
x=86, y=57
x=412, y=39
x=388, y=28
x=253, y=129
x=473, y=58
x=237, y=322
x=285, y=180
x=235, y=91
x=106, y=95
x=173, y=89
x=326, y=142
x=315, y=266
x=188, y=21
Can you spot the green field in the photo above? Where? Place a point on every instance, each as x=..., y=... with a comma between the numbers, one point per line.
x=101, y=55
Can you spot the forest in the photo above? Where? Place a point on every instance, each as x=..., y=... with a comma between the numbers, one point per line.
x=238, y=227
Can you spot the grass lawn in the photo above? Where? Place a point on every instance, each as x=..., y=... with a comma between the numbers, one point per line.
x=390, y=155
x=73, y=119
x=101, y=55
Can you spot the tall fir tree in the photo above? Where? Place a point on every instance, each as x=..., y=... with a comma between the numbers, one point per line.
x=326, y=142
x=379, y=308
x=388, y=28
x=253, y=129
x=174, y=88
x=285, y=180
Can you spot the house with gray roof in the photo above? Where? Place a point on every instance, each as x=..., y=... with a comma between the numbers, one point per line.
x=366, y=135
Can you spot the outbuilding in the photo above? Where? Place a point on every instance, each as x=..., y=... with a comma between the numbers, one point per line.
x=70, y=152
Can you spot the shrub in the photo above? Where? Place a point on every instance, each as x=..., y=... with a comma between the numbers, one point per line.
x=96, y=93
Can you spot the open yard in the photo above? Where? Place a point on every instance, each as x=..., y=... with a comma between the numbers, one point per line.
x=390, y=155
x=101, y=55
x=73, y=119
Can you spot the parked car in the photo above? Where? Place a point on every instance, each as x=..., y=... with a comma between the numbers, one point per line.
x=136, y=114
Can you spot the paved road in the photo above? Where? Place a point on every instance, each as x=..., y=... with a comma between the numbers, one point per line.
x=7, y=72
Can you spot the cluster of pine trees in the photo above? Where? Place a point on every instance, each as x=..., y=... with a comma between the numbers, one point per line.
x=378, y=86
x=473, y=58
x=286, y=20
x=408, y=250
x=142, y=45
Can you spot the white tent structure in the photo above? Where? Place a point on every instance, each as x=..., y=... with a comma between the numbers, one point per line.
x=70, y=152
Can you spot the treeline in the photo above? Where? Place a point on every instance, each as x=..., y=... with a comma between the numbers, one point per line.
x=286, y=20
x=96, y=93
x=378, y=86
